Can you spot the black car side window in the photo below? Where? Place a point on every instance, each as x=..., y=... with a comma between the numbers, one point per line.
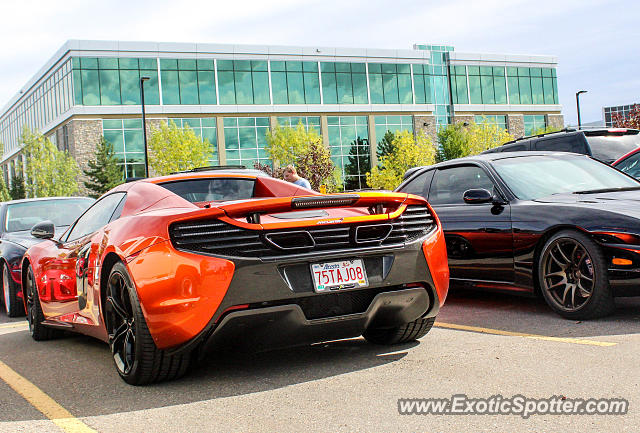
x=631, y=165
x=419, y=185
x=96, y=216
x=449, y=184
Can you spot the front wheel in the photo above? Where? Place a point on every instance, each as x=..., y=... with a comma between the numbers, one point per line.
x=35, y=316
x=12, y=304
x=572, y=272
x=137, y=359
x=402, y=334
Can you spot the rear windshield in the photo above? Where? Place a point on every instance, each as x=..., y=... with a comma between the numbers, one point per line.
x=62, y=212
x=608, y=148
x=216, y=189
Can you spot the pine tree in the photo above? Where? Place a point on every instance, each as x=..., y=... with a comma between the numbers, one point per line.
x=103, y=172
x=386, y=146
x=17, y=190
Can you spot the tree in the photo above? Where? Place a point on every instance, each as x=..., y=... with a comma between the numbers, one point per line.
x=454, y=142
x=103, y=172
x=284, y=144
x=409, y=152
x=303, y=149
x=4, y=192
x=17, y=190
x=385, y=146
x=173, y=149
x=359, y=163
x=485, y=136
x=49, y=172
x=630, y=121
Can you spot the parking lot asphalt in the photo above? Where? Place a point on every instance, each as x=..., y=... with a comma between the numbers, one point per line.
x=346, y=385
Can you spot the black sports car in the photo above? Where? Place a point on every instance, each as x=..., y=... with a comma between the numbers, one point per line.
x=564, y=224
x=16, y=219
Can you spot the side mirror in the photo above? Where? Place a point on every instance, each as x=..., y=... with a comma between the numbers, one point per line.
x=43, y=230
x=475, y=196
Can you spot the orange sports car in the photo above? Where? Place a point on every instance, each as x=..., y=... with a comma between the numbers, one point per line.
x=164, y=269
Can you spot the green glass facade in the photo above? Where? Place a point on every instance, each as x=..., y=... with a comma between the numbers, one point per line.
x=532, y=85
x=392, y=124
x=203, y=127
x=295, y=82
x=245, y=140
x=128, y=144
x=114, y=81
x=309, y=122
x=349, y=145
x=499, y=120
x=390, y=83
x=188, y=82
x=344, y=83
x=533, y=123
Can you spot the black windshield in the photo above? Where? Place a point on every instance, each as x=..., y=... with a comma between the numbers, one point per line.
x=212, y=189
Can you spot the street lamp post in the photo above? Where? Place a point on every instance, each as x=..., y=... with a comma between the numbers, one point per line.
x=144, y=126
x=578, y=105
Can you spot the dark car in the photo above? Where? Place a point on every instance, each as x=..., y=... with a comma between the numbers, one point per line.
x=564, y=223
x=606, y=145
x=16, y=219
x=629, y=163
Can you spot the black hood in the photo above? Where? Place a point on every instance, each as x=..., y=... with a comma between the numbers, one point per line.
x=626, y=203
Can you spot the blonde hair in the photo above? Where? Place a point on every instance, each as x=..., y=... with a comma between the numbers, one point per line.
x=291, y=169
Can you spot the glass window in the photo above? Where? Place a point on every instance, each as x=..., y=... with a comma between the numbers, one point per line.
x=96, y=217
x=245, y=137
x=450, y=184
x=419, y=185
x=214, y=189
x=631, y=165
x=535, y=177
x=391, y=84
x=62, y=212
x=344, y=83
x=243, y=82
x=349, y=145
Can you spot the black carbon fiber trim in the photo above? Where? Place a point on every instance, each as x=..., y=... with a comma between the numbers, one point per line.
x=219, y=238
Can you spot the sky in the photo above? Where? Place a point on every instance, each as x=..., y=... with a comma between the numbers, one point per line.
x=597, y=42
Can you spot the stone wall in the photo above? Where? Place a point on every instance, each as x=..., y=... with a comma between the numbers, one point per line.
x=515, y=125
x=462, y=118
x=555, y=120
x=84, y=137
x=425, y=124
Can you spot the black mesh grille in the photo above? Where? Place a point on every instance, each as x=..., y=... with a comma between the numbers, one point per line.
x=217, y=237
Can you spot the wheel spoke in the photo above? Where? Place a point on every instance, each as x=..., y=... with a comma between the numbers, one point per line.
x=563, y=281
x=583, y=292
x=118, y=334
x=555, y=274
x=117, y=308
x=564, y=256
x=562, y=265
x=586, y=278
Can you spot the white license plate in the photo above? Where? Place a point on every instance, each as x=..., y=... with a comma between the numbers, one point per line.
x=346, y=274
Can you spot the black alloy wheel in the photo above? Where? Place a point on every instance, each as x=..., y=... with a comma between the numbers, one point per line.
x=135, y=354
x=35, y=316
x=121, y=323
x=573, y=277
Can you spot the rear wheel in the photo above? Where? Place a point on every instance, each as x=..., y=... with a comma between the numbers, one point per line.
x=137, y=359
x=402, y=334
x=572, y=272
x=35, y=317
x=12, y=304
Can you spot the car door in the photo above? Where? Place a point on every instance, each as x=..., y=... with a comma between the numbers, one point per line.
x=67, y=274
x=479, y=236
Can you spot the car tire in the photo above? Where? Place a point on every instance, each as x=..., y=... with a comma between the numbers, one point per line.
x=573, y=278
x=12, y=304
x=402, y=334
x=35, y=316
x=135, y=354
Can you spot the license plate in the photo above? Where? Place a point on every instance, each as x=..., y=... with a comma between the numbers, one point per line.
x=346, y=274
